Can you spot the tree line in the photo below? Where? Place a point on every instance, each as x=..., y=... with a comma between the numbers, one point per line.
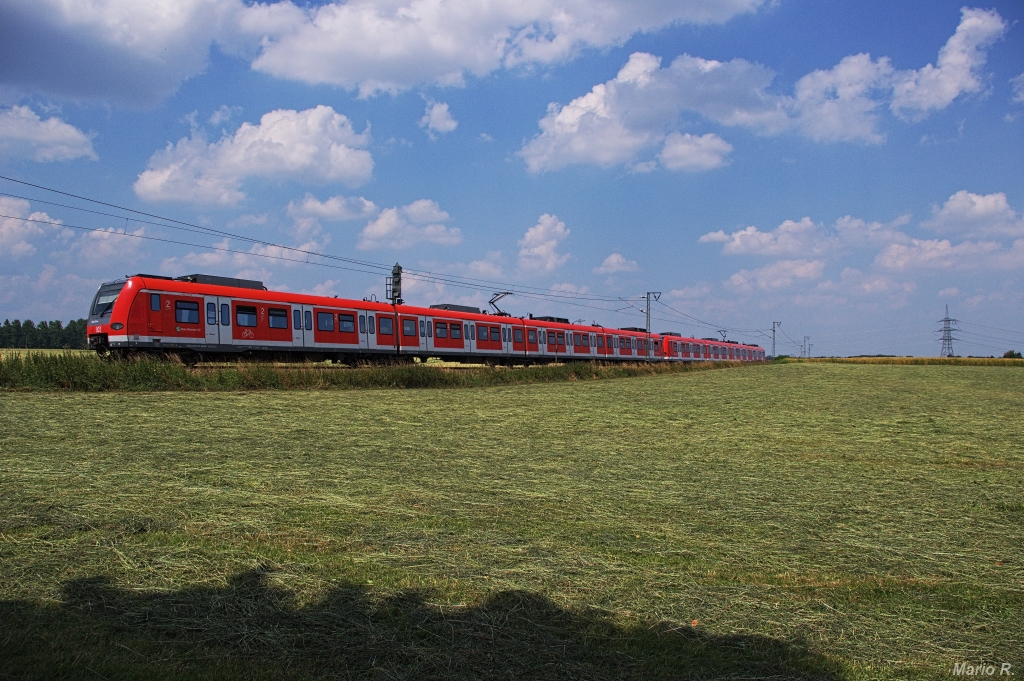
x=28, y=334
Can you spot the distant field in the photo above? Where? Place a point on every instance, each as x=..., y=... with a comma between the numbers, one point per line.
x=43, y=351
x=947, y=361
x=802, y=520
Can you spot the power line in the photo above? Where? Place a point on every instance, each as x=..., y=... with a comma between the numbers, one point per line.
x=993, y=328
x=426, y=275
x=310, y=257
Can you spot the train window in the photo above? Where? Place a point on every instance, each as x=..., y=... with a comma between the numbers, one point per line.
x=308, y=318
x=186, y=312
x=472, y=331
x=409, y=327
x=586, y=340
x=552, y=339
x=362, y=323
x=456, y=330
x=387, y=326
x=346, y=323
x=504, y=335
x=430, y=329
x=297, y=319
x=277, y=318
x=423, y=329
x=600, y=341
x=517, y=335
x=576, y=339
x=531, y=336
x=106, y=296
x=372, y=326
x=245, y=315
x=225, y=314
x=561, y=338
x=324, y=321
x=442, y=329
x=211, y=313
x=495, y=334
x=481, y=332
x=154, y=301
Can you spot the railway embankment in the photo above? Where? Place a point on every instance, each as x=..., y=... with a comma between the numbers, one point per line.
x=82, y=372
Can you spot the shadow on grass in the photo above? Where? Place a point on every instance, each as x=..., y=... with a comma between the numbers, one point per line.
x=253, y=630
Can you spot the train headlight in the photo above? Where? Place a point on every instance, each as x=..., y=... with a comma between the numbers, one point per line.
x=117, y=326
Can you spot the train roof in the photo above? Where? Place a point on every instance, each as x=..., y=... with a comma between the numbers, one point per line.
x=244, y=288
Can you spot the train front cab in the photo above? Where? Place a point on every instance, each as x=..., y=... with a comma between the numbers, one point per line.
x=103, y=326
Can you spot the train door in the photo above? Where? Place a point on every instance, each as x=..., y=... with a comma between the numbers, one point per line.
x=156, y=314
x=302, y=326
x=425, y=339
x=212, y=316
x=224, y=320
x=308, y=340
x=297, y=326
x=363, y=329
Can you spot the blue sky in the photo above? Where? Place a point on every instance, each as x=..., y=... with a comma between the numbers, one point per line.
x=847, y=169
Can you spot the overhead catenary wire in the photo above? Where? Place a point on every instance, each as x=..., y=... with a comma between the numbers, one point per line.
x=225, y=249
x=309, y=257
x=426, y=275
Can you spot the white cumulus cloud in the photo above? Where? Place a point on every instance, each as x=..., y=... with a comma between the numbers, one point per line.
x=122, y=50
x=936, y=254
x=19, y=226
x=538, y=249
x=636, y=111
x=972, y=214
x=24, y=135
x=336, y=208
x=960, y=61
x=1017, y=83
x=393, y=46
x=616, y=262
x=316, y=145
x=694, y=153
x=839, y=104
x=856, y=282
x=778, y=275
x=437, y=119
x=790, y=238
x=419, y=222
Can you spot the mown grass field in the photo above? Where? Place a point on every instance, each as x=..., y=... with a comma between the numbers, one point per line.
x=805, y=520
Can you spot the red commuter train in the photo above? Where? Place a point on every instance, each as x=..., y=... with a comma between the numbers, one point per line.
x=199, y=316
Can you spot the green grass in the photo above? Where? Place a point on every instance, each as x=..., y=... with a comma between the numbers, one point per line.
x=945, y=361
x=70, y=371
x=817, y=521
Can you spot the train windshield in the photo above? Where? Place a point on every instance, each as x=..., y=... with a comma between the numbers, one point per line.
x=105, y=297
